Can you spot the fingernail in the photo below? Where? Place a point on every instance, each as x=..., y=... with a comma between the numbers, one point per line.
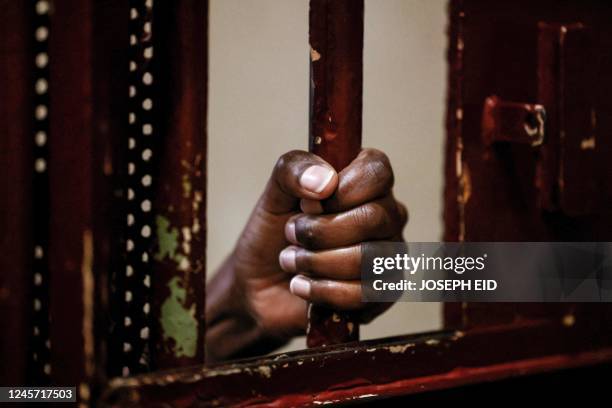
x=290, y=232
x=300, y=286
x=287, y=259
x=311, y=206
x=316, y=178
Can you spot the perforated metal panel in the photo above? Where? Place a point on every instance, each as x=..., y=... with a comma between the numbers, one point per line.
x=132, y=282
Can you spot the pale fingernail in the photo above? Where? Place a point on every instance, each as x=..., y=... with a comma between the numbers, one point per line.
x=311, y=206
x=316, y=178
x=300, y=286
x=287, y=259
x=290, y=232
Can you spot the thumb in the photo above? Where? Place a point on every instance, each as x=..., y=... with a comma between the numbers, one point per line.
x=298, y=175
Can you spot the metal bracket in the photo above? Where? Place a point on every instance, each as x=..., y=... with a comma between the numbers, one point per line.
x=504, y=121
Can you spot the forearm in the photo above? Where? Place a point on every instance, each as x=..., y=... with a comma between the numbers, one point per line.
x=231, y=330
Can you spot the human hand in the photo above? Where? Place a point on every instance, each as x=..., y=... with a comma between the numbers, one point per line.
x=286, y=258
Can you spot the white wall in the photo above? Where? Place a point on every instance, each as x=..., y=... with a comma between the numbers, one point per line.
x=258, y=109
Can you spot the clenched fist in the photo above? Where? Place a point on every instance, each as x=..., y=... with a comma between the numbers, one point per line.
x=301, y=244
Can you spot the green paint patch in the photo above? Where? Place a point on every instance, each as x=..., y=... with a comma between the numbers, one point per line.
x=179, y=323
x=167, y=240
x=186, y=186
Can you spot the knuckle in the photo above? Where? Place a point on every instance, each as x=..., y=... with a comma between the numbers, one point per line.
x=368, y=215
x=281, y=163
x=306, y=231
x=351, y=297
x=287, y=160
x=335, y=294
x=378, y=168
x=284, y=160
x=372, y=154
x=303, y=260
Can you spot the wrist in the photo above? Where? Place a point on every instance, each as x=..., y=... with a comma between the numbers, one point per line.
x=224, y=295
x=227, y=319
x=232, y=329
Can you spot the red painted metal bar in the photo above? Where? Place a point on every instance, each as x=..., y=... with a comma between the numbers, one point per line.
x=109, y=127
x=336, y=63
x=377, y=368
x=40, y=353
x=180, y=83
x=16, y=117
x=71, y=171
x=129, y=343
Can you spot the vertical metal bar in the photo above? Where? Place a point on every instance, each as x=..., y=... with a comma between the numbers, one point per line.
x=71, y=169
x=110, y=129
x=131, y=285
x=16, y=118
x=180, y=44
x=455, y=315
x=40, y=357
x=336, y=61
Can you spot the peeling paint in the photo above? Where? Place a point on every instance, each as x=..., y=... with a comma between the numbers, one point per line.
x=400, y=348
x=177, y=322
x=84, y=392
x=458, y=334
x=88, y=301
x=186, y=246
x=314, y=55
x=217, y=373
x=465, y=182
x=195, y=206
x=186, y=183
x=569, y=320
x=167, y=239
x=184, y=264
x=588, y=144
x=265, y=371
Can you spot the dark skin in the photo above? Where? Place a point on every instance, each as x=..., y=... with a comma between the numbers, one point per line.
x=300, y=245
